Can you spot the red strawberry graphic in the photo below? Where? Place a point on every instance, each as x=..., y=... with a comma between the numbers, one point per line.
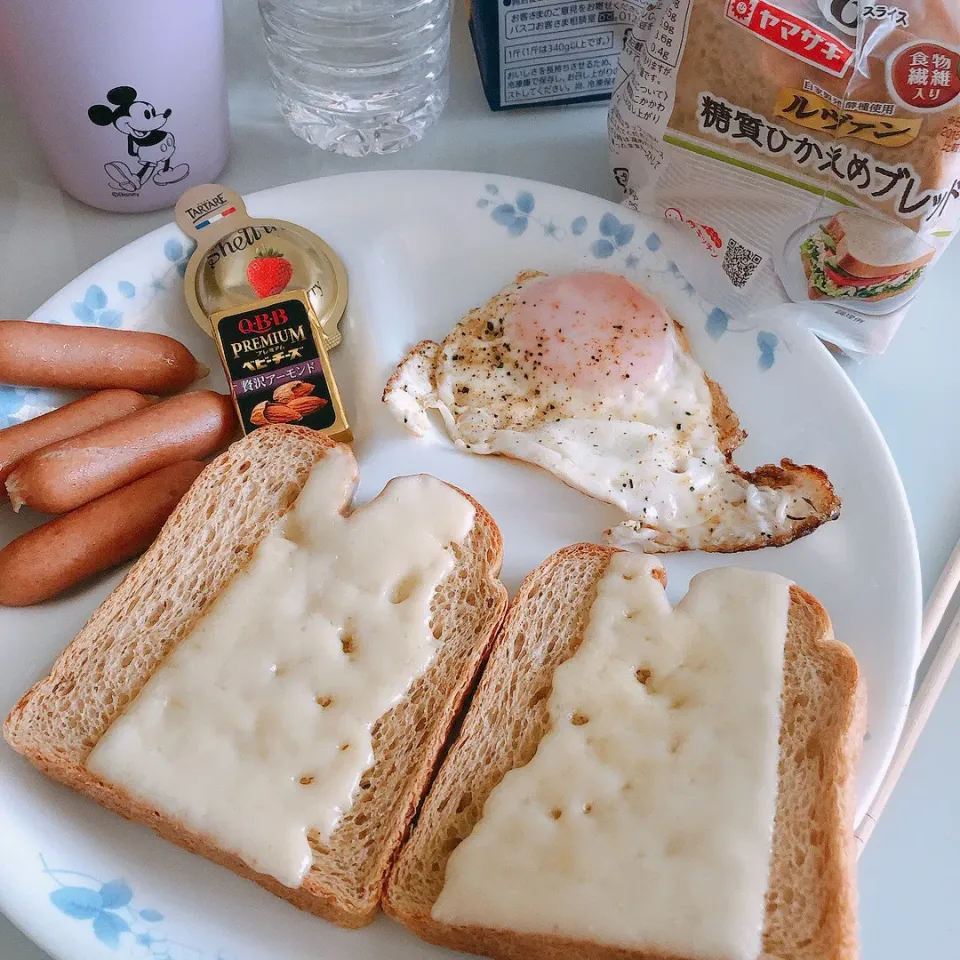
x=269, y=272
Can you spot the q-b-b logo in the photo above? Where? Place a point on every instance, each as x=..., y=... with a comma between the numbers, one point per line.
x=262, y=322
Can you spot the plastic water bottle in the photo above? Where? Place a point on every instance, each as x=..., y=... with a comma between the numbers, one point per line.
x=359, y=76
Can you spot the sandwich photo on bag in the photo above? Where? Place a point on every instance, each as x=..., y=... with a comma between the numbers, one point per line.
x=858, y=257
x=745, y=131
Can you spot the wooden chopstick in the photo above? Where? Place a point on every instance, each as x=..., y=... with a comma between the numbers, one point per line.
x=926, y=697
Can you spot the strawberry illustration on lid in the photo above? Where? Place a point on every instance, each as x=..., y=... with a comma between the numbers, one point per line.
x=239, y=258
x=269, y=272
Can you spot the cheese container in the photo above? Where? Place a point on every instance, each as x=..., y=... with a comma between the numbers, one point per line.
x=272, y=295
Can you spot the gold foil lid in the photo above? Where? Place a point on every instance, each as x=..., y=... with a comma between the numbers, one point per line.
x=240, y=260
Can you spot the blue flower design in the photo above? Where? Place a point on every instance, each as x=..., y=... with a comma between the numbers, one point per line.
x=613, y=236
x=113, y=918
x=717, y=322
x=515, y=216
x=92, y=309
x=519, y=214
x=12, y=402
x=176, y=253
x=767, y=344
x=127, y=289
x=509, y=216
x=84, y=903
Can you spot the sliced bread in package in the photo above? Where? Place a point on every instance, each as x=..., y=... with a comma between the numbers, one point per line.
x=808, y=151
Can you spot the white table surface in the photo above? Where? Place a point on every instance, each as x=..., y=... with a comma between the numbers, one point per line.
x=910, y=871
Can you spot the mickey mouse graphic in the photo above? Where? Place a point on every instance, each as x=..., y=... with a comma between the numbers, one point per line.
x=148, y=143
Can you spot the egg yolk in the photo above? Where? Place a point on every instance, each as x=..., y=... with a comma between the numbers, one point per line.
x=591, y=330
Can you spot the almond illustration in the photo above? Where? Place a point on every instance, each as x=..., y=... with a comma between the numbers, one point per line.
x=258, y=415
x=292, y=390
x=281, y=413
x=270, y=412
x=307, y=405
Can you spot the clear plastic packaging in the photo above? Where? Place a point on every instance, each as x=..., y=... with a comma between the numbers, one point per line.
x=807, y=151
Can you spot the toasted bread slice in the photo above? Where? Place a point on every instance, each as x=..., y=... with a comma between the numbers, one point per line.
x=811, y=901
x=237, y=500
x=495, y=397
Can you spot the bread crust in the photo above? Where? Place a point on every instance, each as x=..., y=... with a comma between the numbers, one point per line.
x=345, y=882
x=825, y=753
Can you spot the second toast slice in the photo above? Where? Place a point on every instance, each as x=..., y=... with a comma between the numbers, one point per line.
x=810, y=909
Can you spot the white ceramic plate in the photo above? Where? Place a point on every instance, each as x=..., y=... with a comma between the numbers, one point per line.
x=789, y=267
x=422, y=248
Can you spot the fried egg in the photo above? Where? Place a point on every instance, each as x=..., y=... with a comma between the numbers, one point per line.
x=588, y=377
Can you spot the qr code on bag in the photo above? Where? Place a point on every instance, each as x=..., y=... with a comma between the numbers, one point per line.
x=740, y=262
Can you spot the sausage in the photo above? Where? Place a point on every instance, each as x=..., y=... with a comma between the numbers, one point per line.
x=73, y=418
x=62, y=552
x=68, y=474
x=94, y=358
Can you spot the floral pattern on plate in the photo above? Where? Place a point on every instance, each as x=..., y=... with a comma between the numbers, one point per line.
x=612, y=239
x=114, y=918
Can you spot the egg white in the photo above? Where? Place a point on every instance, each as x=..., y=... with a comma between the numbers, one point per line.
x=649, y=446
